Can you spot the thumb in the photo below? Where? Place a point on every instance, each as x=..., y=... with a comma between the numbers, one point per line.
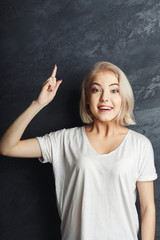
x=57, y=84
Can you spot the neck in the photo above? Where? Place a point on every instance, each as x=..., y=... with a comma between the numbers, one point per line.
x=105, y=129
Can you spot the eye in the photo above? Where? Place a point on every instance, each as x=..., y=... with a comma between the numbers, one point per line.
x=115, y=91
x=95, y=90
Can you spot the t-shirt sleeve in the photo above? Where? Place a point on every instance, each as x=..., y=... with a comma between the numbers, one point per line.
x=146, y=166
x=50, y=145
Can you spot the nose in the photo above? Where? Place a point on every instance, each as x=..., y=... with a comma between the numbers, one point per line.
x=104, y=96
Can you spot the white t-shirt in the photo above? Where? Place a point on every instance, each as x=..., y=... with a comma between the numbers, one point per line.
x=96, y=193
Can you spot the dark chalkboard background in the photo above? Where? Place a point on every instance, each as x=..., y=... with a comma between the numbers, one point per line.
x=75, y=35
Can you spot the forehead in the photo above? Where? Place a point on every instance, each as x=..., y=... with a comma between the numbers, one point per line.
x=107, y=77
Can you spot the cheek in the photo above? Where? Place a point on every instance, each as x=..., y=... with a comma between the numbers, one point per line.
x=93, y=99
x=118, y=101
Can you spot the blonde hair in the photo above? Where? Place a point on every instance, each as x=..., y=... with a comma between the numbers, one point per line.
x=125, y=115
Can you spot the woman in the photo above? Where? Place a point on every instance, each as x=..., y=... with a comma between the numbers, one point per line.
x=97, y=167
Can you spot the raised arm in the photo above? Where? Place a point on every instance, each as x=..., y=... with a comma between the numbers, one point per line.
x=10, y=143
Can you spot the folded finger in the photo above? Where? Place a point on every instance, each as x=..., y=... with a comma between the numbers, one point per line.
x=50, y=89
x=49, y=86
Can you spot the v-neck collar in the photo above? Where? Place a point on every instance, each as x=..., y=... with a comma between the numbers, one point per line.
x=107, y=154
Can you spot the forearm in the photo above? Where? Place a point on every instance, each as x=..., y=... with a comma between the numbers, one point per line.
x=11, y=137
x=148, y=223
x=14, y=133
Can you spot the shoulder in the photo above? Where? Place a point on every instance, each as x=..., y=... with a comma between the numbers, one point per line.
x=67, y=132
x=139, y=138
x=73, y=130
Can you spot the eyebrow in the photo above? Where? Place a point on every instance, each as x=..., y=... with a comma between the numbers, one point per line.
x=109, y=85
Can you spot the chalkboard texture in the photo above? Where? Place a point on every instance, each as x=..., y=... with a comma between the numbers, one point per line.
x=74, y=34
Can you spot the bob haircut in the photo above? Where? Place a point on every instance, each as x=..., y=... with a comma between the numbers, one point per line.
x=125, y=115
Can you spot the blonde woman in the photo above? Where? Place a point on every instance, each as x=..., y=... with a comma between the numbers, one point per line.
x=99, y=166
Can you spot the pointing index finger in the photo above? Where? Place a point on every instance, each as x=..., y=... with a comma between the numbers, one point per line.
x=54, y=71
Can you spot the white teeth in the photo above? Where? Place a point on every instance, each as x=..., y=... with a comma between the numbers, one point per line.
x=105, y=108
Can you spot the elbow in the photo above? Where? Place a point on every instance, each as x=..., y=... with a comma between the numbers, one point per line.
x=3, y=150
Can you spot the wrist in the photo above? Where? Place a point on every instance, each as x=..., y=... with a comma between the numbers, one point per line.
x=36, y=104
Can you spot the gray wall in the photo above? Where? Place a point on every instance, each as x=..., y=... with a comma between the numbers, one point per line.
x=74, y=35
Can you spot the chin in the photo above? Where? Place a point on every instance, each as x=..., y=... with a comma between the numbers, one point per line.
x=103, y=119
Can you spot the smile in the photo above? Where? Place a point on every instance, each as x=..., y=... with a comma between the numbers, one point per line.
x=105, y=109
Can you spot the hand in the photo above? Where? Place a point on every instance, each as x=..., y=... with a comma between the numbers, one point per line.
x=49, y=89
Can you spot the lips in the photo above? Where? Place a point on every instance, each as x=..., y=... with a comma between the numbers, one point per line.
x=105, y=107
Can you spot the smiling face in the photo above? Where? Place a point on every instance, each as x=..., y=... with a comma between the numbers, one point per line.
x=104, y=97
